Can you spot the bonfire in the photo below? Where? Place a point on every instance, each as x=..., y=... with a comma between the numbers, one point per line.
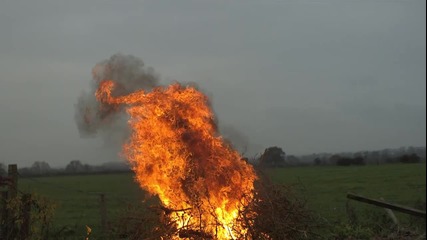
x=177, y=154
x=206, y=189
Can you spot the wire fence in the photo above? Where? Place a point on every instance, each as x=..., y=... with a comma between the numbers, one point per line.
x=78, y=205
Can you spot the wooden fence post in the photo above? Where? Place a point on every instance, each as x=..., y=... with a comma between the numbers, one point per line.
x=7, y=229
x=4, y=215
x=103, y=213
x=12, y=173
x=26, y=210
x=13, y=178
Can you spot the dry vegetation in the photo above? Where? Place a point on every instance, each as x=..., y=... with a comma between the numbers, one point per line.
x=274, y=213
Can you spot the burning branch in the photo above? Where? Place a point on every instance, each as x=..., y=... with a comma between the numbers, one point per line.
x=168, y=211
x=193, y=234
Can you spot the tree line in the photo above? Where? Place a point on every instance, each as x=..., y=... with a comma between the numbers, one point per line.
x=74, y=167
x=271, y=157
x=276, y=157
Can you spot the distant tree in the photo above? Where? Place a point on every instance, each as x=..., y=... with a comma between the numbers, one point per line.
x=75, y=166
x=317, y=161
x=40, y=168
x=358, y=161
x=344, y=161
x=391, y=160
x=385, y=155
x=420, y=151
x=87, y=168
x=410, y=158
x=402, y=150
x=273, y=157
x=358, y=154
x=292, y=160
x=375, y=157
x=334, y=159
x=3, y=171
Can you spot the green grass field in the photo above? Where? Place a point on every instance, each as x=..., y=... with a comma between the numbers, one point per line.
x=324, y=188
x=77, y=198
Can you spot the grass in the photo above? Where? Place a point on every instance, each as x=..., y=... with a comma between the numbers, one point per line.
x=77, y=198
x=324, y=188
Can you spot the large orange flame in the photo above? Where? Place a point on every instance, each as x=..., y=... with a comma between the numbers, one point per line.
x=177, y=154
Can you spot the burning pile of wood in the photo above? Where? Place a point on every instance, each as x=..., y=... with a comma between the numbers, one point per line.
x=204, y=188
x=273, y=213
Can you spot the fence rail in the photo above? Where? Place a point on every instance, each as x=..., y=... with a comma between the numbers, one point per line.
x=380, y=203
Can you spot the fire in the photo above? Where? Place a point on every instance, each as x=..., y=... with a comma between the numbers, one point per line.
x=177, y=154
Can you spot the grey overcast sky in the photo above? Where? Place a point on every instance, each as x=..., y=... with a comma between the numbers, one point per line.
x=305, y=75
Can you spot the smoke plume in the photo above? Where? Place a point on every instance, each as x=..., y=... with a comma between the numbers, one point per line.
x=110, y=122
x=93, y=118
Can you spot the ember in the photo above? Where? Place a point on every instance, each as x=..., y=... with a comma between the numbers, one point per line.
x=177, y=154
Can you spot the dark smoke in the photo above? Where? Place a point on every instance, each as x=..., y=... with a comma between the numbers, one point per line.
x=130, y=74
